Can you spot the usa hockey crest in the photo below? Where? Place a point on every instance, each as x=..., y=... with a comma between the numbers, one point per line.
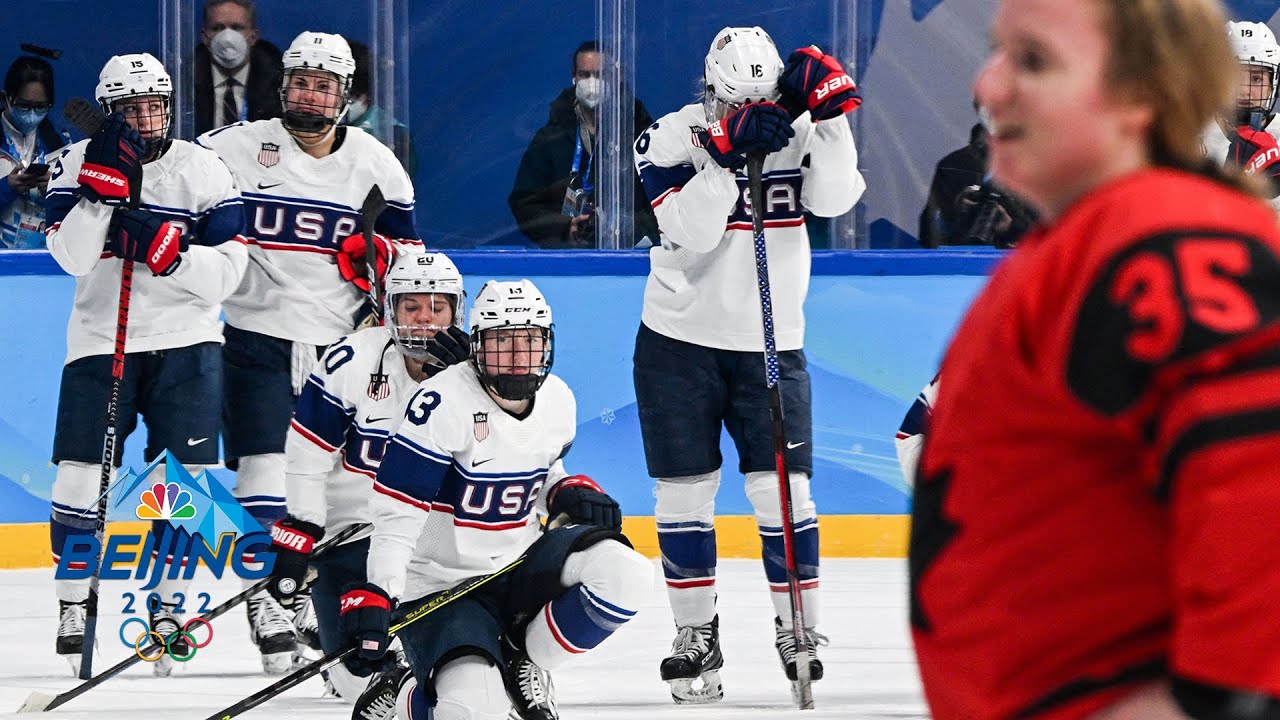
x=480, y=426
x=269, y=155
x=379, y=389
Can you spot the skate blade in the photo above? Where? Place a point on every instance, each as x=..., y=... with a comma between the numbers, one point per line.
x=36, y=702
x=277, y=663
x=708, y=690
x=163, y=666
x=74, y=662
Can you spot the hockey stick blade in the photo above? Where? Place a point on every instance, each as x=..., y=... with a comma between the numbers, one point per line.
x=42, y=702
x=370, y=210
x=83, y=115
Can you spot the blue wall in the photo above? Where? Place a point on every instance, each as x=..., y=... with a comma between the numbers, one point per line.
x=876, y=325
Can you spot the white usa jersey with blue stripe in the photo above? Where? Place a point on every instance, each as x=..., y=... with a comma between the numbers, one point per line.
x=190, y=188
x=463, y=483
x=702, y=281
x=298, y=209
x=346, y=412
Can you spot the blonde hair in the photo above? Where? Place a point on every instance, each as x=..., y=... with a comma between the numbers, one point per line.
x=1174, y=55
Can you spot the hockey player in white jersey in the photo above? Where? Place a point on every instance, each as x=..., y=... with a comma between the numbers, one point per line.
x=698, y=362
x=477, y=458
x=349, y=407
x=1247, y=138
x=185, y=238
x=304, y=177
x=909, y=440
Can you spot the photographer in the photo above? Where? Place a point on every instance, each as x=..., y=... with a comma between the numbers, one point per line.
x=964, y=208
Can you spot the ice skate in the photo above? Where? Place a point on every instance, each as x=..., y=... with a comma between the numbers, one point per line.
x=71, y=633
x=529, y=686
x=307, y=629
x=784, y=640
x=378, y=701
x=272, y=631
x=177, y=647
x=695, y=657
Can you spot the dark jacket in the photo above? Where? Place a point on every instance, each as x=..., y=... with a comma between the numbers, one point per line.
x=261, y=92
x=537, y=197
x=944, y=221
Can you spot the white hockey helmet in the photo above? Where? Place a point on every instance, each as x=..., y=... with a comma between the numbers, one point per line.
x=420, y=273
x=1254, y=44
x=137, y=75
x=325, y=52
x=742, y=67
x=500, y=308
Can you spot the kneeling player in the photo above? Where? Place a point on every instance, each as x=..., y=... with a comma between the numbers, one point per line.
x=480, y=449
x=345, y=413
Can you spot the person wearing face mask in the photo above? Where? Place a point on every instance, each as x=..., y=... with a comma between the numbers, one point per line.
x=28, y=140
x=553, y=199
x=237, y=73
x=369, y=117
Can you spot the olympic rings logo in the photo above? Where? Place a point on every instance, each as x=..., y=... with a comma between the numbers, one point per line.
x=165, y=644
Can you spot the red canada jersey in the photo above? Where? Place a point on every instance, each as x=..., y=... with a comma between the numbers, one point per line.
x=1098, y=502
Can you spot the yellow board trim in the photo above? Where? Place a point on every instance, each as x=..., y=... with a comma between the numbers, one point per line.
x=26, y=545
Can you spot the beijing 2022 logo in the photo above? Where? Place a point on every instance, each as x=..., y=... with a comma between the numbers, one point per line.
x=194, y=520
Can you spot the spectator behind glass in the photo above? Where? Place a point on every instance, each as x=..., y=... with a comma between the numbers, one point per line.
x=369, y=117
x=964, y=208
x=238, y=74
x=29, y=140
x=553, y=198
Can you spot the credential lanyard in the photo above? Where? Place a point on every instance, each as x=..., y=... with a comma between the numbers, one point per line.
x=577, y=160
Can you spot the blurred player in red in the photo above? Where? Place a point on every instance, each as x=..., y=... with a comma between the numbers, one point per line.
x=1095, y=528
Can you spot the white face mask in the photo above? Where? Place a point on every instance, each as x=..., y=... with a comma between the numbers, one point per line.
x=229, y=49
x=357, y=110
x=589, y=91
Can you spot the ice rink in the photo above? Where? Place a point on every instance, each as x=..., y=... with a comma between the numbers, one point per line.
x=869, y=664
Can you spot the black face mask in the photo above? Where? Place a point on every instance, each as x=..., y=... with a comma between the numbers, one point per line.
x=305, y=122
x=515, y=387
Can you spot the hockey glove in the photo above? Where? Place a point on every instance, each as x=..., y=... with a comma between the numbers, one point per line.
x=292, y=540
x=582, y=500
x=351, y=260
x=366, y=615
x=758, y=127
x=140, y=236
x=1257, y=153
x=112, y=162
x=449, y=347
x=815, y=82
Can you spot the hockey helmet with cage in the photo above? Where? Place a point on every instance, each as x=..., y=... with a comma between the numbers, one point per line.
x=324, y=52
x=138, y=75
x=741, y=67
x=1255, y=45
x=419, y=272
x=500, y=311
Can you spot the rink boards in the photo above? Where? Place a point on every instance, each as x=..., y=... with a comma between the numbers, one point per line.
x=877, y=324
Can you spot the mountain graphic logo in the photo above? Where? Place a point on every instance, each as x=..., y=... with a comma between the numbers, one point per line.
x=165, y=501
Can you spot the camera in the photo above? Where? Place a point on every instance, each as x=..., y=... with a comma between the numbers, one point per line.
x=982, y=231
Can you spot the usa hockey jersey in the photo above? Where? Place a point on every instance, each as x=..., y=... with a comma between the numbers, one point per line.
x=702, y=280
x=462, y=482
x=350, y=405
x=189, y=187
x=1217, y=146
x=298, y=209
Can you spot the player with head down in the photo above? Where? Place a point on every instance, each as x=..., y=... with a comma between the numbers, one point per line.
x=352, y=402
x=185, y=237
x=700, y=341
x=476, y=460
x=305, y=177
x=1247, y=138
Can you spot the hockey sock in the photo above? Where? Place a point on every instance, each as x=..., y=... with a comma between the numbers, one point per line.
x=762, y=491
x=260, y=488
x=685, y=514
x=74, y=518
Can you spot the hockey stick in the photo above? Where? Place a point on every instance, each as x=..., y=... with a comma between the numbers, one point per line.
x=43, y=702
x=87, y=119
x=316, y=666
x=755, y=185
x=370, y=210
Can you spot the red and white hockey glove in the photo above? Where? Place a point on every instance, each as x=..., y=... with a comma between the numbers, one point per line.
x=292, y=540
x=112, y=162
x=352, y=264
x=140, y=236
x=582, y=501
x=1257, y=152
x=816, y=82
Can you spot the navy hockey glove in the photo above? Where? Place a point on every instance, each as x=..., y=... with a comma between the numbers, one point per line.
x=352, y=264
x=366, y=615
x=112, y=162
x=140, y=236
x=759, y=127
x=582, y=500
x=292, y=540
x=1257, y=153
x=815, y=82
x=449, y=347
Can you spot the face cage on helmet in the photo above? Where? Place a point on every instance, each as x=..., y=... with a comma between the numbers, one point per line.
x=1245, y=114
x=155, y=142
x=308, y=122
x=507, y=386
x=410, y=344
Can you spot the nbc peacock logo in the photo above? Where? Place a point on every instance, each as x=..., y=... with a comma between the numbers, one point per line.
x=165, y=501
